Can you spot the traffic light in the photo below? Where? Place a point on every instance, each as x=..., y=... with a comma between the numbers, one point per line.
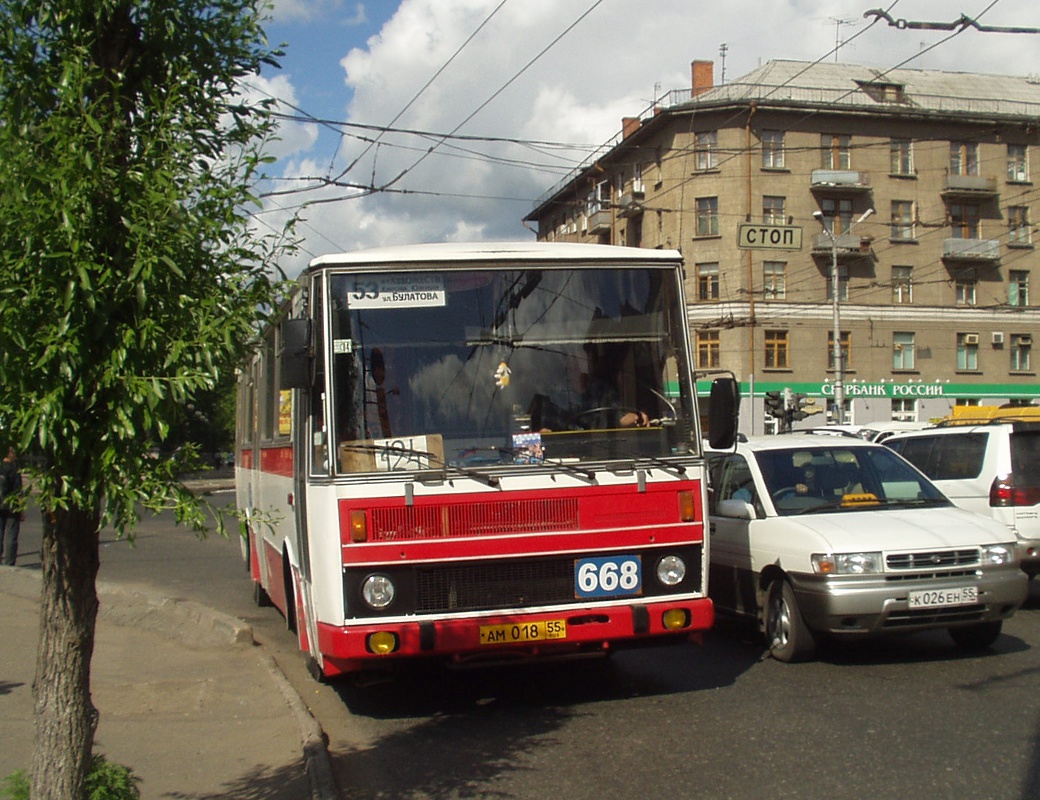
x=798, y=411
x=775, y=404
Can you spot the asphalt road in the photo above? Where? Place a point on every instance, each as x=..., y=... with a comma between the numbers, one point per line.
x=910, y=717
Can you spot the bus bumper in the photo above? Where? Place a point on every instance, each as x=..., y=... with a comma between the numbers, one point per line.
x=510, y=636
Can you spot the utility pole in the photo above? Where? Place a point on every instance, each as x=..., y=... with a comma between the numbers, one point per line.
x=722, y=58
x=838, y=354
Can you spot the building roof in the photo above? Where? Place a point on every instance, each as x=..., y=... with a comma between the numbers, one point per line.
x=965, y=96
x=854, y=86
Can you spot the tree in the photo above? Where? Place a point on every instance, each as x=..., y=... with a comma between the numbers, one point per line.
x=129, y=283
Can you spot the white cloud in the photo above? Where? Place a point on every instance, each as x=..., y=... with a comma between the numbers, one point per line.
x=609, y=66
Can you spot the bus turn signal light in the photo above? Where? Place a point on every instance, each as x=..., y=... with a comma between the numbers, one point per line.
x=687, y=509
x=358, y=526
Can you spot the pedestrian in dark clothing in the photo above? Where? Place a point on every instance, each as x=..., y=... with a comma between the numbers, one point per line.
x=10, y=515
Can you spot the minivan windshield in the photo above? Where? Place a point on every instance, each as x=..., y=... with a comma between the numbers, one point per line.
x=482, y=367
x=813, y=479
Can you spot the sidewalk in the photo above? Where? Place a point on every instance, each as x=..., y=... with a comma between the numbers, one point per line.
x=185, y=699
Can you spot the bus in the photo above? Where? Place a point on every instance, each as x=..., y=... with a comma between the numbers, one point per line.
x=479, y=452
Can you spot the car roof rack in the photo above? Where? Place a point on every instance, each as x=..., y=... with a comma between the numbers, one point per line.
x=824, y=432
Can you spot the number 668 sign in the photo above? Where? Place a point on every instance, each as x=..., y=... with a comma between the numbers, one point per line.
x=608, y=576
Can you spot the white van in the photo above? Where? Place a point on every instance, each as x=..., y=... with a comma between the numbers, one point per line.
x=992, y=468
x=879, y=431
x=821, y=535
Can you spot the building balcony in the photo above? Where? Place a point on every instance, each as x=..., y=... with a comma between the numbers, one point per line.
x=599, y=222
x=969, y=186
x=847, y=245
x=839, y=180
x=978, y=250
x=630, y=204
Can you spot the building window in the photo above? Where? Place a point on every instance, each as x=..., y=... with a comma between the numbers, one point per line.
x=836, y=151
x=902, y=285
x=706, y=149
x=598, y=199
x=901, y=160
x=902, y=219
x=707, y=216
x=846, y=350
x=964, y=220
x=838, y=214
x=904, y=409
x=776, y=349
x=707, y=281
x=708, y=349
x=903, y=350
x=774, y=280
x=1018, y=288
x=773, y=149
x=773, y=210
x=964, y=287
x=967, y=351
x=1017, y=163
x=964, y=158
x=1021, y=345
x=1018, y=225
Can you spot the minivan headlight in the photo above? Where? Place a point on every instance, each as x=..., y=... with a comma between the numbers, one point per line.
x=995, y=554
x=847, y=563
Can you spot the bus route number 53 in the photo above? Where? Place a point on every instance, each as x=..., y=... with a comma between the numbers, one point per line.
x=608, y=576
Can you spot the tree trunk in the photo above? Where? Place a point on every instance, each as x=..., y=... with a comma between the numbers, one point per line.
x=65, y=715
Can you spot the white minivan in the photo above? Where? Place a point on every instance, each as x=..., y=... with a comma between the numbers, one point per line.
x=836, y=536
x=992, y=468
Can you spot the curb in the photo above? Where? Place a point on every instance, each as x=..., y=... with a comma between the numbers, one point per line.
x=196, y=625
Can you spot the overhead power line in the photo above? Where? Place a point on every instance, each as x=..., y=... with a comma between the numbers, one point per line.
x=963, y=22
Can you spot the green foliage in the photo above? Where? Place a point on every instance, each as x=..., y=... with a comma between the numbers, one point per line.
x=105, y=781
x=15, y=786
x=131, y=281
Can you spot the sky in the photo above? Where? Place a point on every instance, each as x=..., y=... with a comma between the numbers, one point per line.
x=413, y=121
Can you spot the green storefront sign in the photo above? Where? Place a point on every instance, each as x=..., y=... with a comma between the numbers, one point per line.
x=892, y=390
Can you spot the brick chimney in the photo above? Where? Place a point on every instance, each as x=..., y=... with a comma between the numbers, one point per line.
x=629, y=125
x=703, y=76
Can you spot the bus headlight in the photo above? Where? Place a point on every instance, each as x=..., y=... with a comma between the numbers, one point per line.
x=377, y=591
x=671, y=570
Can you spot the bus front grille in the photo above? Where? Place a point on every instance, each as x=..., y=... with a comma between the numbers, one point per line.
x=480, y=587
x=474, y=519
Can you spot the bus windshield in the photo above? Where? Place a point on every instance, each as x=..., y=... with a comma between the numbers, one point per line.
x=479, y=367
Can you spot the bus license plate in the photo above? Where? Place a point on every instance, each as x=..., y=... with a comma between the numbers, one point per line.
x=936, y=598
x=523, y=632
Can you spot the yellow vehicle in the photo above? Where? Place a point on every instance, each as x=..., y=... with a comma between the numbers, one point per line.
x=980, y=415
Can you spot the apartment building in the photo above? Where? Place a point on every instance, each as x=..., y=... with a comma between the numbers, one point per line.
x=892, y=210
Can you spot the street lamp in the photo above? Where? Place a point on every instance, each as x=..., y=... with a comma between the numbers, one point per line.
x=839, y=378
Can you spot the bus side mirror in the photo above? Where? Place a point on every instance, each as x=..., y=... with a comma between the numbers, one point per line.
x=723, y=413
x=295, y=353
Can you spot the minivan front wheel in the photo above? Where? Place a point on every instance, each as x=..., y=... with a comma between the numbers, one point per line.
x=977, y=637
x=787, y=636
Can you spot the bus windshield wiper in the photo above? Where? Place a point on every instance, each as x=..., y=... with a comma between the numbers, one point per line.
x=679, y=470
x=512, y=452
x=418, y=455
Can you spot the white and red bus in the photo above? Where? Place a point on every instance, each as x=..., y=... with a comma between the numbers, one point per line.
x=479, y=452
